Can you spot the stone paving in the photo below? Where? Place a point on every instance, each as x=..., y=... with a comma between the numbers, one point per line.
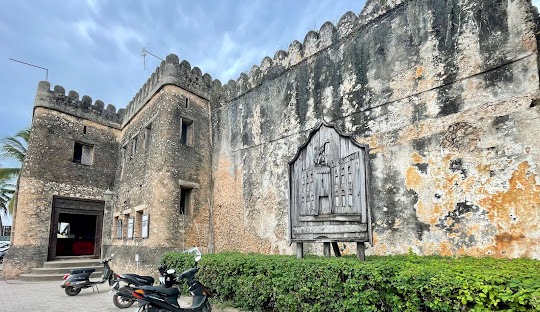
x=18, y=295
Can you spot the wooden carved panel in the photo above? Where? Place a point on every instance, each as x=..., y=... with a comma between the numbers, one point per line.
x=328, y=188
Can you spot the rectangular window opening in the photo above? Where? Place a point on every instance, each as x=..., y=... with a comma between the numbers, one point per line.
x=125, y=228
x=134, y=146
x=186, y=132
x=83, y=153
x=130, y=227
x=145, y=224
x=124, y=155
x=185, y=200
x=118, y=225
x=138, y=224
x=147, y=136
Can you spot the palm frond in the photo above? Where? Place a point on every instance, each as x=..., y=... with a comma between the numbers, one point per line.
x=14, y=148
x=24, y=134
x=11, y=203
x=7, y=192
x=9, y=173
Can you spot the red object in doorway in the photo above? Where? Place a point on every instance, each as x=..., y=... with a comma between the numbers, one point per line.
x=81, y=248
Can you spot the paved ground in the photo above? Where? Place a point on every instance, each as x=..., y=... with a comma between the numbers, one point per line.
x=17, y=296
x=48, y=296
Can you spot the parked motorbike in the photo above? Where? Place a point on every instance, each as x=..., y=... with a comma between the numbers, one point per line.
x=154, y=299
x=78, y=279
x=123, y=298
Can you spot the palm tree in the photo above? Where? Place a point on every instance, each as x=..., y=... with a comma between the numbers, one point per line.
x=6, y=194
x=12, y=150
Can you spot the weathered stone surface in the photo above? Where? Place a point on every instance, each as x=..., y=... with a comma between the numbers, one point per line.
x=422, y=84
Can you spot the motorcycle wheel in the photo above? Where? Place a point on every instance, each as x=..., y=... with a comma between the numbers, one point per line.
x=72, y=291
x=121, y=301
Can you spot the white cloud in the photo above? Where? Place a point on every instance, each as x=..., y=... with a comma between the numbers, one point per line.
x=123, y=36
x=86, y=28
x=94, y=6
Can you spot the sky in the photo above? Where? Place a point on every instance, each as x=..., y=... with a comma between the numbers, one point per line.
x=94, y=46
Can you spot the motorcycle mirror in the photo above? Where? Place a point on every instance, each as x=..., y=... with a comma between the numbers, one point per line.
x=197, y=258
x=170, y=271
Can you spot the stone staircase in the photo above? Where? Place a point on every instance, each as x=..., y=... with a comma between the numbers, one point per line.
x=55, y=270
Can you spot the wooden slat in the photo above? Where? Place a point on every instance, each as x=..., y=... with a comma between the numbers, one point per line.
x=87, y=157
x=332, y=217
x=341, y=228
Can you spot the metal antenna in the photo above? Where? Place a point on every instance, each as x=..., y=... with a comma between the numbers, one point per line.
x=143, y=54
x=46, y=70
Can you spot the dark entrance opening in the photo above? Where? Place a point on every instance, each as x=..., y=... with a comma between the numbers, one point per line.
x=76, y=235
x=76, y=228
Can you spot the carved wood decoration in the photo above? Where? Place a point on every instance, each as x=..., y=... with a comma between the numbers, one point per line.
x=329, y=199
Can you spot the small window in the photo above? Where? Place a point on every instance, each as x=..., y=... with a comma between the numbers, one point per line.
x=124, y=151
x=185, y=200
x=186, y=132
x=147, y=136
x=125, y=228
x=145, y=223
x=130, y=228
x=138, y=224
x=124, y=155
x=134, y=146
x=118, y=223
x=83, y=153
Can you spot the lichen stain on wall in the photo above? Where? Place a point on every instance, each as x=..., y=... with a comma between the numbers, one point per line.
x=228, y=209
x=465, y=218
x=514, y=212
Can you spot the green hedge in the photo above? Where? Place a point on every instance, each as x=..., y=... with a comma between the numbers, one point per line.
x=395, y=283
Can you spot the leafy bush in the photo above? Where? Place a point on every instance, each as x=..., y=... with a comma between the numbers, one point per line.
x=395, y=283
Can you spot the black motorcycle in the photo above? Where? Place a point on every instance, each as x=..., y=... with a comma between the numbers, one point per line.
x=123, y=298
x=154, y=299
x=78, y=279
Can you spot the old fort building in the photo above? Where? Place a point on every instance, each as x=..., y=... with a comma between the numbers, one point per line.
x=443, y=94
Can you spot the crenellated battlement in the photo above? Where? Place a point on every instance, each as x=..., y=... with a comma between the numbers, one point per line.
x=172, y=71
x=314, y=42
x=72, y=105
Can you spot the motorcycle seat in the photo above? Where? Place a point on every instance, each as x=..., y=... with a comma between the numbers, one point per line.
x=170, y=292
x=82, y=270
x=139, y=279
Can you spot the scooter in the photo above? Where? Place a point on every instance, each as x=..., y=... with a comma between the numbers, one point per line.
x=123, y=298
x=154, y=299
x=78, y=279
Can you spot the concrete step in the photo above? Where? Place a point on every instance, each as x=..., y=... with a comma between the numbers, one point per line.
x=55, y=270
x=41, y=276
x=73, y=263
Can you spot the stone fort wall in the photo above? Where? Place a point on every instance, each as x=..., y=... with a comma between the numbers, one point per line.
x=444, y=94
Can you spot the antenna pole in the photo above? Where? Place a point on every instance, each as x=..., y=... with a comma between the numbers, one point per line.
x=143, y=53
x=46, y=70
